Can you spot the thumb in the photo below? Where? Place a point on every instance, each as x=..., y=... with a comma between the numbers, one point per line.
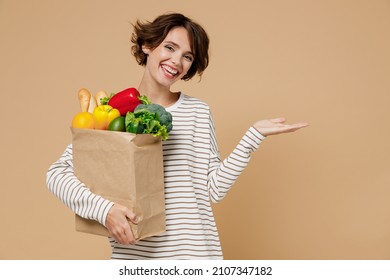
x=132, y=217
x=278, y=120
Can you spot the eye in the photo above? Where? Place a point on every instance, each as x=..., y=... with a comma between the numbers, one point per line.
x=169, y=47
x=189, y=58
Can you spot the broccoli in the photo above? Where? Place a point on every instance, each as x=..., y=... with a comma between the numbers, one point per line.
x=164, y=116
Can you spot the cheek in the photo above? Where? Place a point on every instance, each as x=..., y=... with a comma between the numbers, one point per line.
x=187, y=66
x=156, y=56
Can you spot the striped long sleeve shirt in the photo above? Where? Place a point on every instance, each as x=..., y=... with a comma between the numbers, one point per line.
x=194, y=177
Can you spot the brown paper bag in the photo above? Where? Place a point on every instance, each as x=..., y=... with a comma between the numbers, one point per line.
x=125, y=168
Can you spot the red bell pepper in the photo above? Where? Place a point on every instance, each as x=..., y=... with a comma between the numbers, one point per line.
x=126, y=100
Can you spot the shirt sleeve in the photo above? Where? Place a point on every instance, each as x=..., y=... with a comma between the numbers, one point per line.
x=223, y=174
x=64, y=184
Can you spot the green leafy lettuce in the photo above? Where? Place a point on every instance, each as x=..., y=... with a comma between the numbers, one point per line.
x=149, y=118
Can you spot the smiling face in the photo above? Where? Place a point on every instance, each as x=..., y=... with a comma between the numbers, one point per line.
x=171, y=60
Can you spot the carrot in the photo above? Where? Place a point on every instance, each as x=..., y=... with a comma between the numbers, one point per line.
x=99, y=95
x=84, y=99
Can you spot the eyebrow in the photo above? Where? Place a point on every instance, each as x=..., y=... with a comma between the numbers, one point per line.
x=177, y=46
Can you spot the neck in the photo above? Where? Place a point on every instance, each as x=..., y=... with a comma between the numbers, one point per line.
x=157, y=93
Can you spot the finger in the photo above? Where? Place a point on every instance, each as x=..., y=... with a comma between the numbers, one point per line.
x=129, y=236
x=131, y=216
x=294, y=127
x=118, y=235
x=124, y=235
x=300, y=125
x=121, y=238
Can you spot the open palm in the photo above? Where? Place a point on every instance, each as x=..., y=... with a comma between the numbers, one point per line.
x=277, y=126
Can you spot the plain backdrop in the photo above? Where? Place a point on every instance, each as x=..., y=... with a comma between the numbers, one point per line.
x=320, y=193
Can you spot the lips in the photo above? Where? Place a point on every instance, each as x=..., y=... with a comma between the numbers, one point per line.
x=170, y=71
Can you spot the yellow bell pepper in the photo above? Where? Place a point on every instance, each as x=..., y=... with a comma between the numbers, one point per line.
x=103, y=115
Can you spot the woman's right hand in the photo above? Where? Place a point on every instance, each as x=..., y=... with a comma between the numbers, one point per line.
x=117, y=223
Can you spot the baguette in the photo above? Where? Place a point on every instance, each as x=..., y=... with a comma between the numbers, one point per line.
x=92, y=105
x=84, y=99
x=99, y=95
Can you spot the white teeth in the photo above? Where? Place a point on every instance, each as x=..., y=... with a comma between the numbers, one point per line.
x=170, y=70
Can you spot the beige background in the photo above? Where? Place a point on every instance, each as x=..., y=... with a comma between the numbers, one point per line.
x=321, y=193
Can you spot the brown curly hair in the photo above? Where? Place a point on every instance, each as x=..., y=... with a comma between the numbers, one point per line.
x=152, y=34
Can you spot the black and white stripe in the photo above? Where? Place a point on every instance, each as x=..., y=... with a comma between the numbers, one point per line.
x=195, y=176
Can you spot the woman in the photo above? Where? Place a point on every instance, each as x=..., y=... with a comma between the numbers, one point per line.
x=172, y=48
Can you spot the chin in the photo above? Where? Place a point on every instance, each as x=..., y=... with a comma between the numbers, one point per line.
x=168, y=83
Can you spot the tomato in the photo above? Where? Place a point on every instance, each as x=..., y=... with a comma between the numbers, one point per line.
x=103, y=115
x=83, y=120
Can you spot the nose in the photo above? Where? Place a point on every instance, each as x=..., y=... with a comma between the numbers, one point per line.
x=176, y=58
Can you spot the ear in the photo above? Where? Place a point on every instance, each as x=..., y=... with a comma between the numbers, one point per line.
x=146, y=49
